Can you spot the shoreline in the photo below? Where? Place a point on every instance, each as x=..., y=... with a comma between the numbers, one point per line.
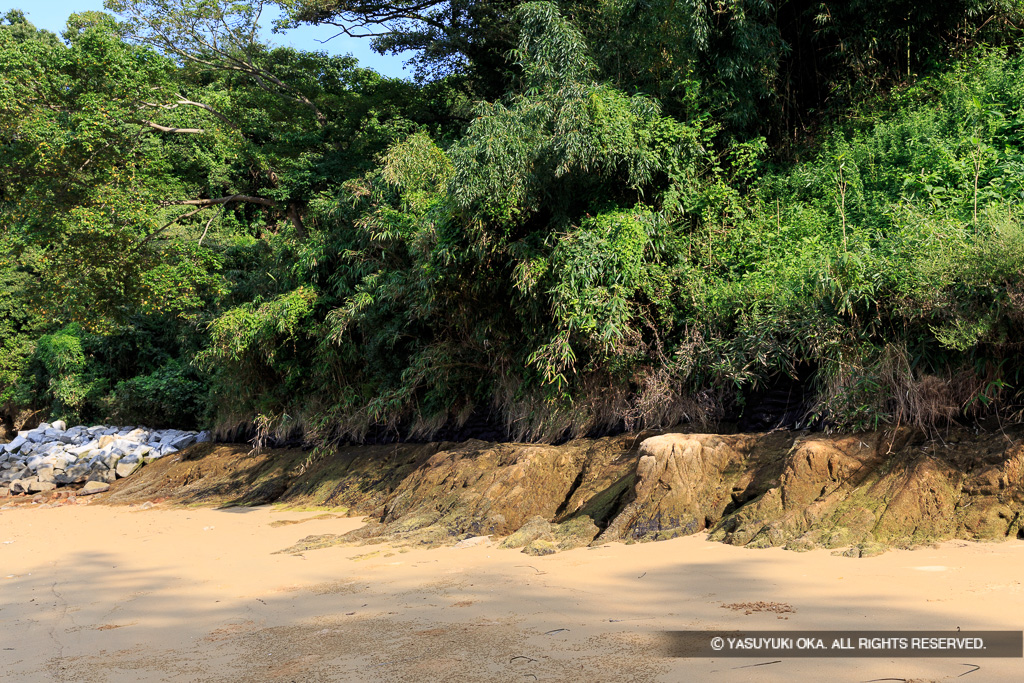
x=97, y=592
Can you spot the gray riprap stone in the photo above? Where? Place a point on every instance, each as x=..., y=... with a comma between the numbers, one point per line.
x=56, y=454
x=74, y=474
x=137, y=436
x=183, y=441
x=84, y=448
x=40, y=486
x=55, y=459
x=15, y=444
x=126, y=469
x=92, y=487
x=104, y=458
x=106, y=476
x=20, y=485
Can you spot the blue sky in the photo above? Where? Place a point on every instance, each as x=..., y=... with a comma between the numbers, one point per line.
x=52, y=14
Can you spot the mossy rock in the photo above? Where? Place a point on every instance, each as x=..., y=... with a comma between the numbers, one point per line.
x=540, y=548
x=871, y=549
x=989, y=522
x=575, y=533
x=865, y=549
x=669, y=534
x=535, y=529
x=802, y=544
x=836, y=538
x=572, y=533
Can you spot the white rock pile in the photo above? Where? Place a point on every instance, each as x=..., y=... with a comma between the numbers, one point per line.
x=52, y=455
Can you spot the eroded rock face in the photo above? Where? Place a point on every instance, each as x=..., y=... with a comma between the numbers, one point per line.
x=797, y=490
x=484, y=488
x=816, y=490
x=861, y=493
x=683, y=484
x=884, y=490
x=477, y=488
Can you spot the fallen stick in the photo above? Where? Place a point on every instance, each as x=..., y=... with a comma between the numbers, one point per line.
x=750, y=666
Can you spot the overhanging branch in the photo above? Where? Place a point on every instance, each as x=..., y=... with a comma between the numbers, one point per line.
x=248, y=199
x=291, y=210
x=170, y=129
x=183, y=101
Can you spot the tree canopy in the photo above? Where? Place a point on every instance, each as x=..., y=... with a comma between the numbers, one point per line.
x=579, y=218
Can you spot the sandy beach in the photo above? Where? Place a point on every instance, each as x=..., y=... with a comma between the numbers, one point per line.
x=98, y=593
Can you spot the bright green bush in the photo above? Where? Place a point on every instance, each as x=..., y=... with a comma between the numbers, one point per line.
x=63, y=376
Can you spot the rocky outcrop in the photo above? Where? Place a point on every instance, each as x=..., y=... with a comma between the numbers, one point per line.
x=858, y=494
x=884, y=490
x=683, y=484
x=478, y=488
x=796, y=490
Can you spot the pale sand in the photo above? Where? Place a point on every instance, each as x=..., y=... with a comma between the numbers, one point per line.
x=95, y=593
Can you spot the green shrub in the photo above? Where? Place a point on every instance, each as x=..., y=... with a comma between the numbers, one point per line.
x=62, y=377
x=172, y=396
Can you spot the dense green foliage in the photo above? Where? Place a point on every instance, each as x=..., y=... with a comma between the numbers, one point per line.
x=583, y=216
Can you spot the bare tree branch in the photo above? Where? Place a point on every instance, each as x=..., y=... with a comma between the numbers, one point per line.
x=291, y=211
x=206, y=229
x=231, y=42
x=167, y=129
x=183, y=101
x=356, y=14
x=208, y=108
x=179, y=218
x=220, y=200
